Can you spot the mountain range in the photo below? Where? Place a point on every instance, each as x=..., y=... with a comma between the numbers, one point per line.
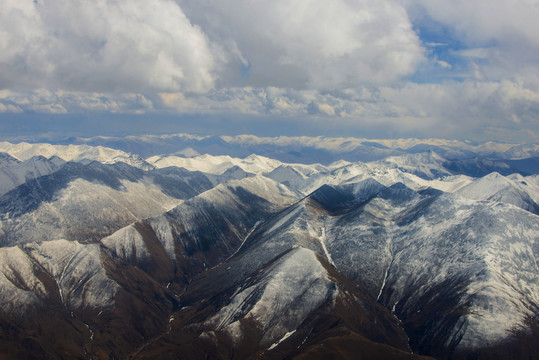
x=247, y=248
x=310, y=150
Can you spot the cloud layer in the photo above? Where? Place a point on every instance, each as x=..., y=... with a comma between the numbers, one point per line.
x=430, y=68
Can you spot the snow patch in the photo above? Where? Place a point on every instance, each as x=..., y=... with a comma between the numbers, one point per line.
x=286, y=336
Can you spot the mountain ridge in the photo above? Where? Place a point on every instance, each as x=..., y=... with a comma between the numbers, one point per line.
x=258, y=258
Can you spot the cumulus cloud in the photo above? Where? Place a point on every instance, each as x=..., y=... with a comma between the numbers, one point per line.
x=137, y=45
x=103, y=45
x=310, y=44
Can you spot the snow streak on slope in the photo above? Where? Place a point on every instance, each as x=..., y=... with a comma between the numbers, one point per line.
x=67, y=269
x=282, y=297
x=19, y=286
x=77, y=269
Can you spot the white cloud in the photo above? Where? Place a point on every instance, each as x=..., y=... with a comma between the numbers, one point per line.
x=344, y=62
x=62, y=102
x=457, y=109
x=103, y=45
x=444, y=64
x=9, y=108
x=138, y=45
x=467, y=108
x=502, y=33
x=485, y=110
x=311, y=44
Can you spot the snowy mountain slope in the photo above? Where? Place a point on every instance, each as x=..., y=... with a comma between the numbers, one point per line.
x=278, y=278
x=416, y=171
x=200, y=232
x=223, y=168
x=216, y=165
x=509, y=190
x=306, y=178
x=484, y=258
x=425, y=250
x=478, y=167
x=291, y=288
x=24, y=151
x=218, y=169
x=475, y=260
x=7, y=160
x=233, y=173
x=88, y=202
x=115, y=293
x=269, y=293
x=277, y=311
x=65, y=299
x=531, y=182
x=187, y=152
x=431, y=165
x=15, y=173
x=427, y=165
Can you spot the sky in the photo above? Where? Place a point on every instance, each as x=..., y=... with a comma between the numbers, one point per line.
x=460, y=69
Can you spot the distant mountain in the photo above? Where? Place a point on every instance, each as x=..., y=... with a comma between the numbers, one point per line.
x=216, y=164
x=77, y=153
x=309, y=150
